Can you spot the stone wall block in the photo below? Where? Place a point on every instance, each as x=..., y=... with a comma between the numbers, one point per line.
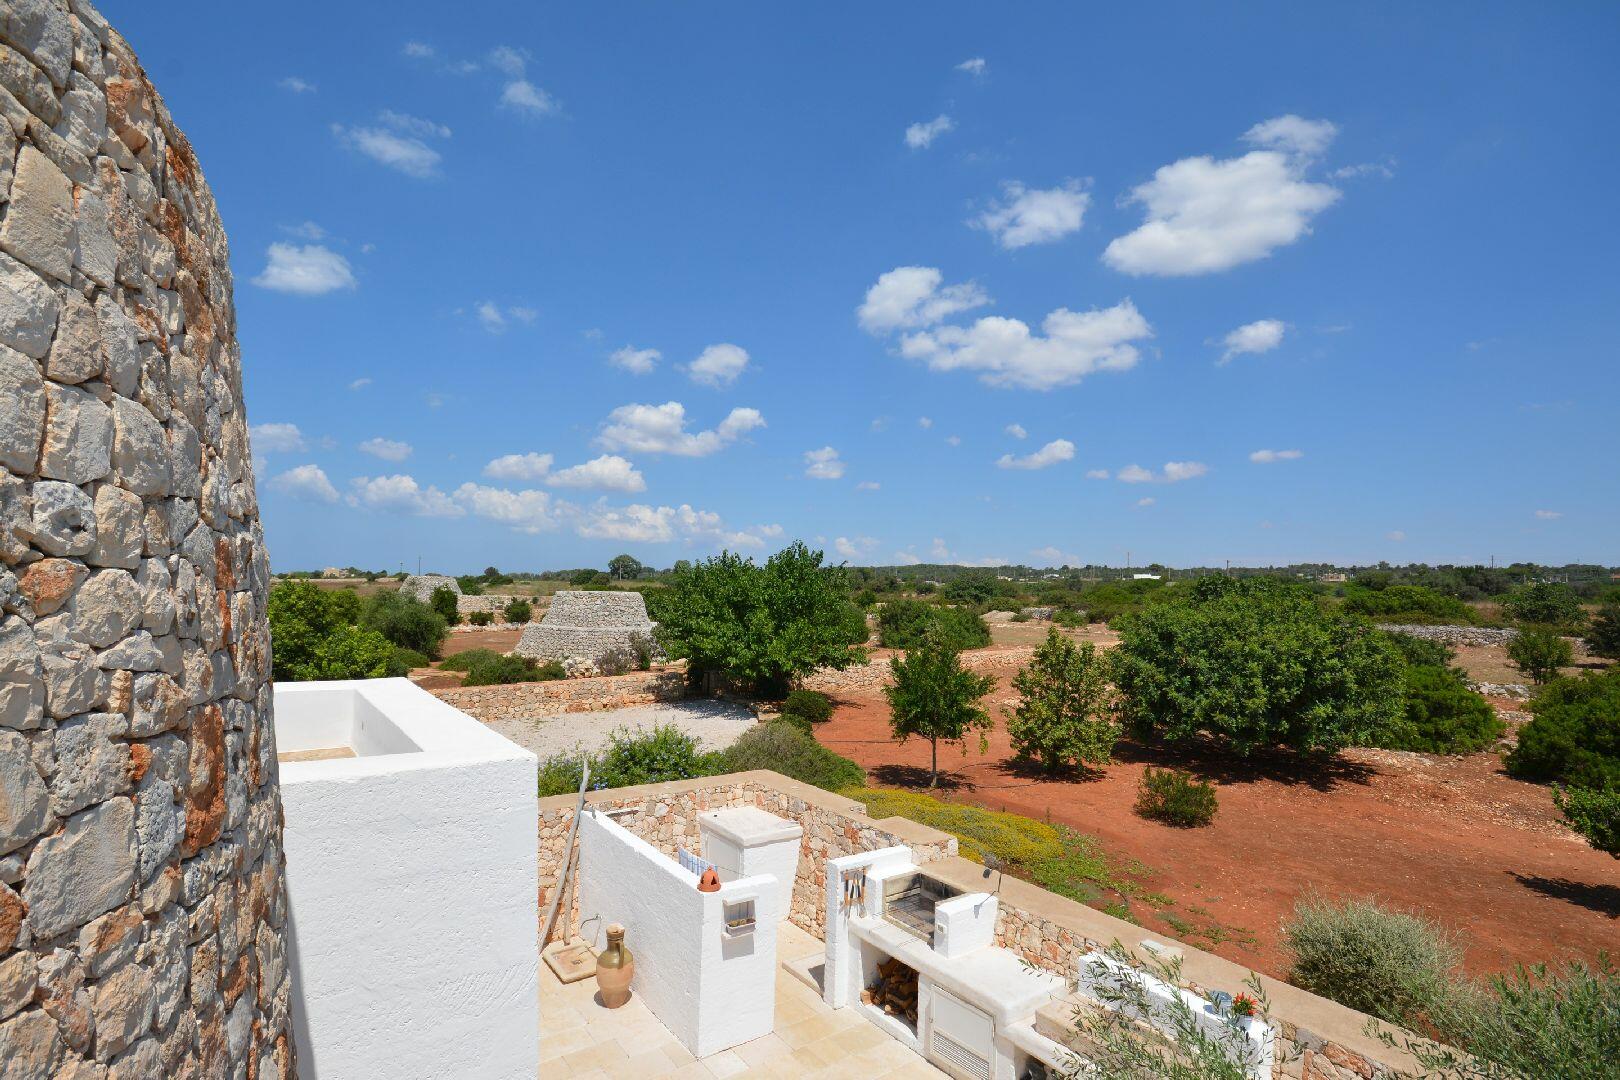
x=63, y=519
x=31, y=86
x=41, y=31
x=92, y=761
x=28, y=309
x=78, y=435
x=38, y=227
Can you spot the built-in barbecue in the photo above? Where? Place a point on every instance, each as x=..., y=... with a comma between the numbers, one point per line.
x=909, y=901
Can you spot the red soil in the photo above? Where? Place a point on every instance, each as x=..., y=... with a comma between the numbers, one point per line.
x=1456, y=839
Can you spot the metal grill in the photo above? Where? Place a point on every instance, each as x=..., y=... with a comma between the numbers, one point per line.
x=908, y=902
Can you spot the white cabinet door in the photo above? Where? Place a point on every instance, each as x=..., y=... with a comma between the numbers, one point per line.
x=962, y=1039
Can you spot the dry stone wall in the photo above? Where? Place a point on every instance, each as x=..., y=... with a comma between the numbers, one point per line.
x=141, y=897
x=591, y=631
x=421, y=586
x=525, y=701
x=1455, y=635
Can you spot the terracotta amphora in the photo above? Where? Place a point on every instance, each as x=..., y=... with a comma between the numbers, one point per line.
x=615, y=967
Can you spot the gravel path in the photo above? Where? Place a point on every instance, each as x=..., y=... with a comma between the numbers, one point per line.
x=715, y=724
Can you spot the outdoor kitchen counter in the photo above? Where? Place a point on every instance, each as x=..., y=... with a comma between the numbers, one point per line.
x=993, y=978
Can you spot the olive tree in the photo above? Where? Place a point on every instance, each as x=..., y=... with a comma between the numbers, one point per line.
x=1065, y=715
x=1539, y=652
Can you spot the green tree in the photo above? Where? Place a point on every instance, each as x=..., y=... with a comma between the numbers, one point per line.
x=1546, y=603
x=765, y=627
x=406, y=622
x=1065, y=715
x=935, y=697
x=1259, y=663
x=904, y=624
x=443, y=601
x=518, y=611
x=1539, y=652
x=1603, y=638
x=1594, y=813
x=624, y=567
x=311, y=639
x=1574, y=736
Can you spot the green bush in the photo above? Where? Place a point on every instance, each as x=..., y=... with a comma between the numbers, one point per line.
x=443, y=601
x=813, y=705
x=786, y=749
x=1594, y=814
x=410, y=659
x=407, y=623
x=1065, y=713
x=1175, y=798
x=499, y=670
x=1407, y=604
x=466, y=661
x=1574, y=736
x=1388, y=964
x=471, y=585
x=560, y=775
x=311, y=638
x=518, y=611
x=480, y=618
x=1546, y=604
x=1443, y=716
x=1420, y=652
x=905, y=624
x=649, y=757
x=1539, y=652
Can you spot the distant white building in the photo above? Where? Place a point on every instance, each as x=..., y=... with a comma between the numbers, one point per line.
x=1145, y=577
x=333, y=572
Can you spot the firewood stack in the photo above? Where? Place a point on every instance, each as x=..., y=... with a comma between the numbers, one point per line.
x=895, y=991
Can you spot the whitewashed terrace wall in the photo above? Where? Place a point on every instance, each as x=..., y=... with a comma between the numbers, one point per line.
x=142, y=903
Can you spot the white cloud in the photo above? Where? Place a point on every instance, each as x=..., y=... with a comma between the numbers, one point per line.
x=360, y=383
x=529, y=466
x=527, y=98
x=854, y=547
x=523, y=314
x=823, y=464
x=418, y=50
x=1385, y=169
x=868, y=485
x=1396, y=535
x=1257, y=337
x=925, y=422
x=403, y=494
x=1097, y=474
x=1293, y=135
x=1205, y=214
x=508, y=60
x=527, y=511
x=1006, y=353
x=906, y=558
x=489, y=316
x=1266, y=457
x=1174, y=472
x=294, y=85
x=974, y=66
x=414, y=125
x=403, y=153
x=636, y=361
x=305, y=230
x=1058, y=450
x=661, y=429
x=1146, y=500
x=387, y=449
x=1052, y=556
x=304, y=270
x=1549, y=515
x=306, y=482
x=908, y=297
x=1017, y=431
x=1028, y=216
x=953, y=440
x=920, y=135
x=718, y=365
x=610, y=472
x=660, y=524
x=276, y=438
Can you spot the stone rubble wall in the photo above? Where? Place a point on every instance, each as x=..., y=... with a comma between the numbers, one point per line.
x=876, y=673
x=421, y=586
x=523, y=701
x=1455, y=635
x=591, y=630
x=142, y=904
x=466, y=605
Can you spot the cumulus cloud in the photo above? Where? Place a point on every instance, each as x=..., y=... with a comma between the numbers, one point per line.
x=1396, y=535
x=974, y=66
x=1257, y=337
x=275, y=438
x=1204, y=214
x=1146, y=500
x=1026, y=216
x=660, y=524
x=920, y=135
x=402, y=494
x=1058, y=450
x=304, y=270
x=1006, y=353
x=609, y=472
x=925, y=422
x=527, y=99
x=853, y=547
x=823, y=464
x=508, y=60
x=418, y=50
x=526, y=511
x=530, y=466
x=401, y=152
x=414, y=125
x=661, y=429
x=1173, y=472
x=1384, y=169
x=1549, y=515
x=718, y=365
x=294, y=85
x=387, y=449
x=360, y=383
x=909, y=297
x=1017, y=431
x=489, y=316
x=307, y=482
x=635, y=361
x=1266, y=457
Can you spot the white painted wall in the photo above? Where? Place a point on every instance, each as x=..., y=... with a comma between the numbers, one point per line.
x=412, y=882
x=710, y=990
x=744, y=841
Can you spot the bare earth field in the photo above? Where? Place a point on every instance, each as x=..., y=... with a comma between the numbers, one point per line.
x=1454, y=838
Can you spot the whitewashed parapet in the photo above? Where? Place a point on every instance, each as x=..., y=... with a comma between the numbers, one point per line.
x=142, y=903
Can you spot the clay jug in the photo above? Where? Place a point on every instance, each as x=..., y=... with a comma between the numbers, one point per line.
x=615, y=967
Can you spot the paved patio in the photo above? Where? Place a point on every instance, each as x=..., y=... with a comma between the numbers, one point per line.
x=581, y=1040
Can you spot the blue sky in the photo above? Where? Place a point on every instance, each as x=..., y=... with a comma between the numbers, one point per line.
x=1039, y=283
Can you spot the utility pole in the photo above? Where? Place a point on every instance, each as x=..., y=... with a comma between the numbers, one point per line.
x=419, y=566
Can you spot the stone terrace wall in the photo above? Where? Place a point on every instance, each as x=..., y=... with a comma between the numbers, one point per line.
x=518, y=701
x=141, y=892
x=1455, y=635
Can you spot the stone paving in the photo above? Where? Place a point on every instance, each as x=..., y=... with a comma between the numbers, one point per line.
x=581, y=1040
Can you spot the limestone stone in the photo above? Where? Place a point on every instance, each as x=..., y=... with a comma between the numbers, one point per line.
x=22, y=421
x=157, y=600
x=16, y=520
x=107, y=942
x=50, y=582
x=64, y=519
x=22, y=703
x=123, y=1010
x=38, y=227
x=84, y=118
x=78, y=435
x=12, y=913
x=76, y=351
x=41, y=31
x=28, y=309
x=73, y=683
x=120, y=351
x=86, y=869
x=105, y=608
x=17, y=982
x=30, y=1048
x=137, y=652
x=31, y=86
x=120, y=537
x=185, y=458
x=24, y=799
x=140, y=453
x=92, y=761
x=159, y=705
x=157, y=825
x=97, y=251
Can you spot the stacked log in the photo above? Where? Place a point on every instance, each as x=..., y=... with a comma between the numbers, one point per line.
x=894, y=991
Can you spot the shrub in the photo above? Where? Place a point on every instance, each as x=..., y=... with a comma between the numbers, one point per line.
x=311, y=639
x=1421, y=652
x=499, y=670
x=466, y=661
x=648, y=757
x=1539, y=652
x=1259, y=663
x=1407, y=604
x=1175, y=798
x=518, y=611
x=1443, y=716
x=560, y=775
x=1594, y=814
x=471, y=585
x=905, y=624
x=1547, y=604
x=1065, y=715
x=935, y=697
x=408, y=623
x=1603, y=638
x=813, y=705
x=1574, y=736
x=410, y=659
x=786, y=749
x=1388, y=964
x=480, y=618
x=443, y=601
